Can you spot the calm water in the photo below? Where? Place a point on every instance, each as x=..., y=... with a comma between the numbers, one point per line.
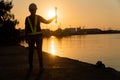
x=87, y=48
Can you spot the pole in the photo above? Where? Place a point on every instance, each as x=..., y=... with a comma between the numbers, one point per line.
x=56, y=14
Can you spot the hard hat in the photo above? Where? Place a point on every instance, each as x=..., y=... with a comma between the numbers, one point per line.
x=32, y=6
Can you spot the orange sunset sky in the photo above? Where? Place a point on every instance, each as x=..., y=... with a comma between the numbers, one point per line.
x=103, y=14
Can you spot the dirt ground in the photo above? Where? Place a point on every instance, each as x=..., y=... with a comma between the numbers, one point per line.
x=14, y=66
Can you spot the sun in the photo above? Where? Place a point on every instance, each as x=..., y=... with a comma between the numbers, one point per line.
x=51, y=13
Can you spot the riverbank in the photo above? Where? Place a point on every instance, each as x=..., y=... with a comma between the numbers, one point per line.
x=14, y=66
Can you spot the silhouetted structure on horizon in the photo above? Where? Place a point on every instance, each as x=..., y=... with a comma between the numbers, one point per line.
x=72, y=31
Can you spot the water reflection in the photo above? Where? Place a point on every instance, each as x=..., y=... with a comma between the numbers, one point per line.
x=89, y=48
x=52, y=46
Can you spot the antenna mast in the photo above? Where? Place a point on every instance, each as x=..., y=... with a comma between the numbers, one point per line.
x=56, y=14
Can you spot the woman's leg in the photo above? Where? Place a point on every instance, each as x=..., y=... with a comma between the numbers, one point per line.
x=39, y=51
x=30, y=53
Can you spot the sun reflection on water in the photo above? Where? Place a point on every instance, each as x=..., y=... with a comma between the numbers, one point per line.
x=52, y=46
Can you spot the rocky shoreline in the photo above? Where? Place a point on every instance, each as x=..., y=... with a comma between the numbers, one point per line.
x=14, y=66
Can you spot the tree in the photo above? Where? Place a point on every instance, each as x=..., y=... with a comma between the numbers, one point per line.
x=8, y=33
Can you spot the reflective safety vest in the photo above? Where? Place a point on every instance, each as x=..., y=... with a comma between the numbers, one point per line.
x=33, y=29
